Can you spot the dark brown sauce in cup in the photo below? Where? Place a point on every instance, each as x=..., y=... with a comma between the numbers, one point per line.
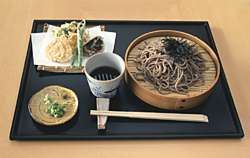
x=104, y=73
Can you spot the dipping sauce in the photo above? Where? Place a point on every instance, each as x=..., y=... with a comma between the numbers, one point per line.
x=105, y=73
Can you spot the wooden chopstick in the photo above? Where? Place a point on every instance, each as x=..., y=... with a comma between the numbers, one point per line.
x=153, y=115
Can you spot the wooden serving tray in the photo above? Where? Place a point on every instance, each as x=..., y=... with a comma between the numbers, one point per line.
x=219, y=107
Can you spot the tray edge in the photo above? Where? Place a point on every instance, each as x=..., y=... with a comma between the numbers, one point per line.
x=226, y=86
x=13, y=134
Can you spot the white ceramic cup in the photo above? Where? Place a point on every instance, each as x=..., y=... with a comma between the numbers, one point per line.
x=104, y=88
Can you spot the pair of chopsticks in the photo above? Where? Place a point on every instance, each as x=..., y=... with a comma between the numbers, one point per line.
x=152, y=115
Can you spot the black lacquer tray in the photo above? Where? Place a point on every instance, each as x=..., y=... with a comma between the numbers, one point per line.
x=223, y=118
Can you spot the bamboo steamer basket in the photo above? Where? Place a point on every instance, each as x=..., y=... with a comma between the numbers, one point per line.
x=172, y=101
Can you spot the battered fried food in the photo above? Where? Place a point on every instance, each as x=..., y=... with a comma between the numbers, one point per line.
x=61, y=49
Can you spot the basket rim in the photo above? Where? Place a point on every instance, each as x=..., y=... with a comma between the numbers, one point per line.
x=177, y=34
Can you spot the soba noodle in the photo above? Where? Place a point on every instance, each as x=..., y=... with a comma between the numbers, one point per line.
x=167, y=69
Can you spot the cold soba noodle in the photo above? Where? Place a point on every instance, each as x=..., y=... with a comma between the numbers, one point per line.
x=171, y=64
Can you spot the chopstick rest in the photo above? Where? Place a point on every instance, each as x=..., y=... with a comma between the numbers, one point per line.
x=153, y=115
x=102, y=104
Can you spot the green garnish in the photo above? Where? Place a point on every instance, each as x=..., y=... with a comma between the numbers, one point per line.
x=54, y=108
x=77, y=59
x=65, y=29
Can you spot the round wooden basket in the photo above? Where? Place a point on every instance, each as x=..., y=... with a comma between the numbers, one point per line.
x=173, y=101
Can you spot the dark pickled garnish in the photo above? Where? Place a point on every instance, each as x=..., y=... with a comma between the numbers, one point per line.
x=95, y=45
x=65, y=97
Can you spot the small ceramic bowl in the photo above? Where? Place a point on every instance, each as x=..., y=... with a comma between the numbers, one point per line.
x=104, y=88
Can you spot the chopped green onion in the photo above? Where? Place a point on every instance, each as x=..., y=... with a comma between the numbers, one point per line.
x=54, y=108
